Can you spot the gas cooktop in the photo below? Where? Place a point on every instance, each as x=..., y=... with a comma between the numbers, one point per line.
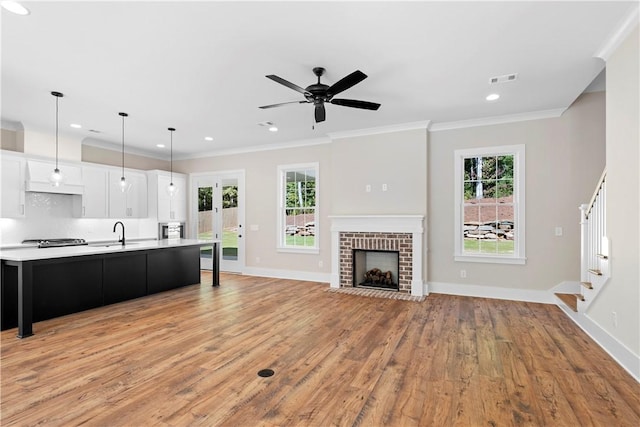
x=55, y=243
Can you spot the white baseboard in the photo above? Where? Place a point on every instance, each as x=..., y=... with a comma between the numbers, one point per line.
x=618, y=351
x=481, y=291
x=288, y=274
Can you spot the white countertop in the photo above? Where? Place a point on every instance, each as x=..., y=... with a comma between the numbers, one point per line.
x=30, y=253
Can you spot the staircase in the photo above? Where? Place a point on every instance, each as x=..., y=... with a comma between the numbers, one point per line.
x=594, y=251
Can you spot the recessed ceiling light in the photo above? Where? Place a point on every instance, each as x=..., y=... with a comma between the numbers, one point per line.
x=160, y=145
x=273, y=129
x=208, y=138
x=15, y=7
x=492, y=97
x=75, y=126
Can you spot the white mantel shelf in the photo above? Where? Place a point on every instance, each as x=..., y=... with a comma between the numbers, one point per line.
x=413, y=224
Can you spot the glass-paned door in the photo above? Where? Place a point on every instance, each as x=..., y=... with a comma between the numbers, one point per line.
x=205, y=218
x=220, y=216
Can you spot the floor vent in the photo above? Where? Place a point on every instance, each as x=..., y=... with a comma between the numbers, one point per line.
x=503, y=79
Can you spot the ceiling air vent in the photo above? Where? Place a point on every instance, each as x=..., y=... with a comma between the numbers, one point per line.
x=503, y=79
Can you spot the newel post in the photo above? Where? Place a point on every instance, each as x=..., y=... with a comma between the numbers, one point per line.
x=584, y=242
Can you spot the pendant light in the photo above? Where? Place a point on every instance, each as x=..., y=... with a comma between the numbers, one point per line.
x=124, y=185
x=56, y=177
x=172, y=189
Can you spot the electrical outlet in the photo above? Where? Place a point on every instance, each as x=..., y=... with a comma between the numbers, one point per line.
x=558, y=231
x=367, y=188
x=614, y=317
x=463, y=274
x=384, y=187
x=257, y=260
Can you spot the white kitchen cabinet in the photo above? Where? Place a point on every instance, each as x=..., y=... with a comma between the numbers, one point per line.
x=94, y=202
x=161, y=205
x=13, y=177
x=130, y=204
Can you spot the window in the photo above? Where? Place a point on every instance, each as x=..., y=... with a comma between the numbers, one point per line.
x=298, y=216
x=489, y=204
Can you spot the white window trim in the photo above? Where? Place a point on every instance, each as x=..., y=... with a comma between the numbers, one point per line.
x=282, y=169
x=518, y=152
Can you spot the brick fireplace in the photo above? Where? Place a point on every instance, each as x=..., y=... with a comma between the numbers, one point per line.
x=394, y=233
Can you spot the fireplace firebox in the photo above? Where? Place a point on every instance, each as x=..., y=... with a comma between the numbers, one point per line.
x=376, y=269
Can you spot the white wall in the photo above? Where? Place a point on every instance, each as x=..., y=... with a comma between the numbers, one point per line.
x=396, y=159
x=346, y=165
x=261, y=184
x=564, y=159
x=622, y=292
x=44, y=144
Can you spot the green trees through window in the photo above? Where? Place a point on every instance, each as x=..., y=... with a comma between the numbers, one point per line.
x=298, y=215
x=488, y=204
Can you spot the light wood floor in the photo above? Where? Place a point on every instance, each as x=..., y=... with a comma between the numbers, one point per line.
x=191, y=357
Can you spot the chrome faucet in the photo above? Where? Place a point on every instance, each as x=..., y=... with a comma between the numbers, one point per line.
x=114, y=230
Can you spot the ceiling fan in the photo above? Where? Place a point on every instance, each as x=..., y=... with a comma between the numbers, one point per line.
x=319, y=93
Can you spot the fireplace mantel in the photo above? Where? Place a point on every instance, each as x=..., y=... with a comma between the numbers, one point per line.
x=380, y=224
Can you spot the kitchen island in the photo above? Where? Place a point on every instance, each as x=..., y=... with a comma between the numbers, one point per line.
x=42, y=283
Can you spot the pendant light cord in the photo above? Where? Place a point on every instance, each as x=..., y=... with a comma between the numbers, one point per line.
x=171, y=163
x=171, y=130
x=123, y=145
x=57, y=99
x=123, y=115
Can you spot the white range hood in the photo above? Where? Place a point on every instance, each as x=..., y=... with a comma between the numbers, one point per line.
x=38, y=173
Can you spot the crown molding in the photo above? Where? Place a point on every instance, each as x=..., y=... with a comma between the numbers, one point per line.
x=10, y=125
x=498, y=120
x=618, y=36
x=93, y=142
x=257, y=148
x=382, y=129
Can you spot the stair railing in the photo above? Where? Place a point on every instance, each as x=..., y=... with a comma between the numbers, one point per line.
x=594, y=251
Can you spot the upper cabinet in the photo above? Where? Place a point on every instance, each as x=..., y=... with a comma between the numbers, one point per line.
x=129, y=204
x=13, y=170
x=94, y=202
x=162, y=206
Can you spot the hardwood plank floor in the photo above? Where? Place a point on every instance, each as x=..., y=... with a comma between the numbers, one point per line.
x=191, y=356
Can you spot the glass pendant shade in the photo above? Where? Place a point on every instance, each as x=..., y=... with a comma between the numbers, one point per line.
x=124, y=184
x=56, y=177
x=172, y=190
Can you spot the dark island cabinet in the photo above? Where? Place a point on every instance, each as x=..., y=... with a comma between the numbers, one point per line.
x=65, y=288
x=125, y=277
x=62, y=286
x=171, y=268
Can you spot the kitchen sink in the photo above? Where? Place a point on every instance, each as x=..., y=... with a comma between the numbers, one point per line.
x=110, y=244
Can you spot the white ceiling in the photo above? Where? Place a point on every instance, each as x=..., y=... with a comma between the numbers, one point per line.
x=200, y=66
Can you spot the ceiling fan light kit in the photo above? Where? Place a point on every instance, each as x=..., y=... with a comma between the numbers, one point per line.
x=319, y=93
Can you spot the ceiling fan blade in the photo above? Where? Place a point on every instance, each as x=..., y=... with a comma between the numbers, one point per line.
x=346, y=82
x=287, y=84
x=354, y=103
x=283, y=103
x=320, y=113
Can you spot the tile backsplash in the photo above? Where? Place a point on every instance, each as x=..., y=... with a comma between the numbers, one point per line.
x=49, y=215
